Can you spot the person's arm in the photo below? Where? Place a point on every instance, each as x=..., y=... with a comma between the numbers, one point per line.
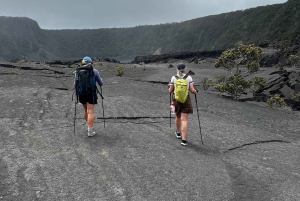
x=98, y=78
x=171, y=85
x=171, y=88
x=192, y=89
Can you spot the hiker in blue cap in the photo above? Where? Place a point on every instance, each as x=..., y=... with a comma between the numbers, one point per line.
x=183, y=105
x=85, y=83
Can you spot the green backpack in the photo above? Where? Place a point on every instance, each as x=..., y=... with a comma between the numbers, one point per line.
x=181, y=91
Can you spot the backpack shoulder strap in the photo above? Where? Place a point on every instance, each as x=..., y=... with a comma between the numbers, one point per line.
x=176, y=76
x=186, y=75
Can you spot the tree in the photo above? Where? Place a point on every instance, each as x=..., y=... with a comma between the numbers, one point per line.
x=236, y=84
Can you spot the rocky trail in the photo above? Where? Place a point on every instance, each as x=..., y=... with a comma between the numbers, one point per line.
x=250, y=152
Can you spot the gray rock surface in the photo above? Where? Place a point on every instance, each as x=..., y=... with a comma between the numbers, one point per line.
x=250, y=152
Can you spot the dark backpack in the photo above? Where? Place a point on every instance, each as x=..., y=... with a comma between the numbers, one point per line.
x=85, y=83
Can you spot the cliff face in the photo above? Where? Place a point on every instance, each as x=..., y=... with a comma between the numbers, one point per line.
x=23, y=37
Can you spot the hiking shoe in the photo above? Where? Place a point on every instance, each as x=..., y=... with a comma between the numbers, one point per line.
x=91, y=133
x=178, y=135
x=184, y=142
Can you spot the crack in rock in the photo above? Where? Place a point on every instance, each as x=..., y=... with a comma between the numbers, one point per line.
x=133, y=118
x=256, y=142
x=29, y=68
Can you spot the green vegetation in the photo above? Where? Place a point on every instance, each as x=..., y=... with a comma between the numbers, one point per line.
x=276, y=101
x=15, y=73
x=24, y=59
x=236, y=84
x=206, y=83
x=216, y=32
x=220, y=79
x=295, y=60
x=295, y=97
x=258, y=83
x=220, y=88
x=120, y=70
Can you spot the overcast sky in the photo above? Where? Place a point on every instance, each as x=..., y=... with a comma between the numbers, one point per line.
x=94, y=14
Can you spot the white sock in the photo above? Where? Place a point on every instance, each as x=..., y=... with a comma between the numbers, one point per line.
x=90, y=128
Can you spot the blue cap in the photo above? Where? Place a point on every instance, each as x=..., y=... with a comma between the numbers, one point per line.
x=87, y=59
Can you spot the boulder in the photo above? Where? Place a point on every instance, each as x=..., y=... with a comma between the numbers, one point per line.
x=286, y=91
x=270, y=60
x=170, y=66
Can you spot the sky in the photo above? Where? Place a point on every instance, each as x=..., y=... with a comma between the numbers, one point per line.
x=95, y=14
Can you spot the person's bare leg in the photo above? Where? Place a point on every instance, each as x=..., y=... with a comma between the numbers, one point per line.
x=184, y=118
x=85, y=111
x=90, y=115
x=178, y=122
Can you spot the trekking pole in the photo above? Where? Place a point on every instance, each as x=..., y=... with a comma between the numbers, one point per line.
x=102, y=107
x=198, y=117
x=170, y=110
x=75, y=118
x=100, y=93
x=74, y=112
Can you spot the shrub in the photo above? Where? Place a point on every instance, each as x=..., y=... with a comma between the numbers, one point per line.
x=100, y=63
x=219, y=88
x=15, y=72
x=258, y=83
x=295, y=97
x=220, y=79
x=24, y=59
x=235, y=85
x=253, y=67
x=276, y=101
x=206, y=83
x=294, y=59
x=120, y=70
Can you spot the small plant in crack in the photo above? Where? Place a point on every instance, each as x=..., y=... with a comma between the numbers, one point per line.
x=15, y=73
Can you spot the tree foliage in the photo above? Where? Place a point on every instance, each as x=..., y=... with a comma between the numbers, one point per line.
x=206, y=83
x=276, y=101
x=258, y=83
x=236, y=84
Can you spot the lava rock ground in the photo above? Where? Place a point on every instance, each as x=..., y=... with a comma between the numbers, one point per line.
x=250, y=152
